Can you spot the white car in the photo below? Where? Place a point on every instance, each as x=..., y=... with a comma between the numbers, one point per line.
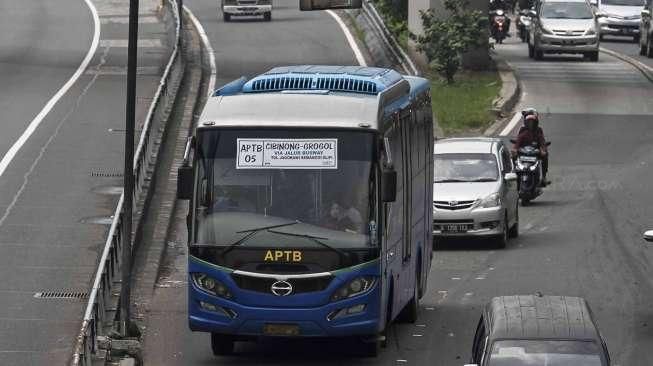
x=246, y=7
x=474, y=190
x=620, y=17
x=648, y=236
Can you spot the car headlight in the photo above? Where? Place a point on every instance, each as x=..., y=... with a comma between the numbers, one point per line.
x=492, y=200
x=211, y=285
x=590, y=32
x=354, y=287
x=546, y=31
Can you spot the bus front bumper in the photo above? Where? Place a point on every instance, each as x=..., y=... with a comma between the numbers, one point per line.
x=355, y=316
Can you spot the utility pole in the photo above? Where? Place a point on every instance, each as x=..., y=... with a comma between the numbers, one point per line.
x=128, y=191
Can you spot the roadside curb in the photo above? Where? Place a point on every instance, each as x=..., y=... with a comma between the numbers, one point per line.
x=509, y=96
x=164, y=200
x=643, y=68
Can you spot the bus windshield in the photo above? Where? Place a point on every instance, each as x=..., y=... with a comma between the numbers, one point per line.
x=307, y=188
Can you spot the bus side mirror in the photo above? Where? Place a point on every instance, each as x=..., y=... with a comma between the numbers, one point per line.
x=389, y=185
x=185, y=182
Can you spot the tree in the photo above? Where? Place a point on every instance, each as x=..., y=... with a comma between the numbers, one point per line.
x=447, y=36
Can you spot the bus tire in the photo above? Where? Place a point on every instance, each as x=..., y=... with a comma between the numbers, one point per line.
x=410, y=311
x=222, y=344
x=369, y=347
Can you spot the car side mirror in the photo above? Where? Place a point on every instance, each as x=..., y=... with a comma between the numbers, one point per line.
x=509, y=177
x=548, y=143
x=185, y=182
x=389, y=185
x=648, y=235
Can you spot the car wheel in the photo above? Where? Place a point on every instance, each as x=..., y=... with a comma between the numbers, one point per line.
x=601, y=37
x=636, y=39
x=226, y=17
x=305, y=5
x=222, y=344
x=514, y=230
x=502, y=240
x=531, y=51
x=594, y=56
x=525, y=201
x=267, y=16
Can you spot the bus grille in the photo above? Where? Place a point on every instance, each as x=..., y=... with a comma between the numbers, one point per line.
x=264, y=284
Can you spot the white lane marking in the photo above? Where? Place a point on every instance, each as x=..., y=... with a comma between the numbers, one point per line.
x=124, y=43
x=45, y=147
x=207, y=44
x=350, y=38
x=11, y=153
x=512, y=124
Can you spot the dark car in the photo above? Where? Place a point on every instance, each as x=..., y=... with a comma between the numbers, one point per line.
x=536, y=330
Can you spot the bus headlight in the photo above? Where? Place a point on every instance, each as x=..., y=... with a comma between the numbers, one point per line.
x=354, y=287
x=211, y=285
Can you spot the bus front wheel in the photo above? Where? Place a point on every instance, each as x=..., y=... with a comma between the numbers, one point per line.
x=221, y=344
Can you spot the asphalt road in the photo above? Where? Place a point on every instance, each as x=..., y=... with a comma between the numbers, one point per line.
x=53, y=193
x=626, y=46
x=581, y=238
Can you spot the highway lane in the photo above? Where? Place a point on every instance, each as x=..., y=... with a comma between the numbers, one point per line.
x=625, y=46
x=51, y=194
x=582, y=237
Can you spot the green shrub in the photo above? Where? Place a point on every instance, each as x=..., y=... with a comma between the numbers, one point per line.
x=447, y=36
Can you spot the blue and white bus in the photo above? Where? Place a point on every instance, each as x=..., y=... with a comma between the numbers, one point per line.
x=310, y=215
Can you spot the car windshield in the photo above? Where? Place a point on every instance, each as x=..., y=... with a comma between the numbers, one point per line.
x=566, y=10
x=623, y=2
x=273, y=183
x=465, y=168
x=545, y=353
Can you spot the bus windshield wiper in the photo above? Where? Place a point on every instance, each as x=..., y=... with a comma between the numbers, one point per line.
x=252, y=232
x=318, y=240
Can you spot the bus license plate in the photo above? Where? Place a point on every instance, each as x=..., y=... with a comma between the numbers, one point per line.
x=456, y=228
x=281, y=329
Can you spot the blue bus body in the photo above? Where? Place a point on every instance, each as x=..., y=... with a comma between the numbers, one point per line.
x=285, y=284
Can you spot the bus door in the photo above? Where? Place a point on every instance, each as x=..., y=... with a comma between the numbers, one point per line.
x=407, y=278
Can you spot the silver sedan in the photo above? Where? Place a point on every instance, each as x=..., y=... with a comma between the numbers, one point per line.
x=474, y=190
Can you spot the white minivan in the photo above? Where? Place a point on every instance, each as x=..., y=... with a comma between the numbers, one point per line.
x=619, y=17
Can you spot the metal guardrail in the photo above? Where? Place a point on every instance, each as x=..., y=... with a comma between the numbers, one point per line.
x=108, y=272
x=390, y=42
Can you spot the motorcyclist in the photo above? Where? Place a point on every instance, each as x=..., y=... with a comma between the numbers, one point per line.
x=500, y=5
x=531, y=133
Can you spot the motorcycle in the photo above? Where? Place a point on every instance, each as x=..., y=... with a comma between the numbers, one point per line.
x=528, y=166
x=499, y=27
x=524, y=21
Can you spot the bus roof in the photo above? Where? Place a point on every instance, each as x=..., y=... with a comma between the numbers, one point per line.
x=310, y=96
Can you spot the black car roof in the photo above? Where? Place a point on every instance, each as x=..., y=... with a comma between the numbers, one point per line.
x=540, y=317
